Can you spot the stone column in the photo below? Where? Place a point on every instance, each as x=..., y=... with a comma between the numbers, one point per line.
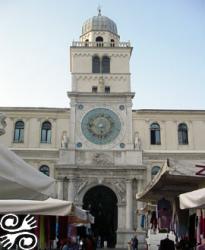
x=71, y=189
x=72, y=126
x=121, y=217
x=129, y=205
x=60, y=189
x=139, y=204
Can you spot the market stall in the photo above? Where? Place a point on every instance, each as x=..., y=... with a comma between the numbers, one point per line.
x=195, y=203
x=25, y=191
x=47, y=227
x=175, y=177
x=50, y=206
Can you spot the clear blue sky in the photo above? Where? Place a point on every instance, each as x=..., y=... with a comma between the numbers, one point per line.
x=167, y=64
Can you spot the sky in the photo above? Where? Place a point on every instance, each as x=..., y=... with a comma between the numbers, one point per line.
x=167, y=64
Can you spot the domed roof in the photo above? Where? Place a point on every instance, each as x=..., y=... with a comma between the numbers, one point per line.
x=99, y=23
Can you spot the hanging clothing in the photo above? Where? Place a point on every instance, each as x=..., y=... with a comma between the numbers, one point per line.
x=52, y=227
x=153, y=220
x=167, y=244
x=202, y=247
x=192, y=235
x=164, y=214
x=42, y=238
x=63, y=227
x=142, y=223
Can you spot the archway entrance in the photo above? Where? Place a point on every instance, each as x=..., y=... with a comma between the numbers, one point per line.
x=101, y=201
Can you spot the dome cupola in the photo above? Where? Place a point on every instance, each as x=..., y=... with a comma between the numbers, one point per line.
x=99, y=23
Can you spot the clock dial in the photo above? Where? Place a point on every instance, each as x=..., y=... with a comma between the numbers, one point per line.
x=101, y=126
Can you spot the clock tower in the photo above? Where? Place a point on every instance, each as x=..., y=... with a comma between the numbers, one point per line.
x=101, y=100
x=102, y=156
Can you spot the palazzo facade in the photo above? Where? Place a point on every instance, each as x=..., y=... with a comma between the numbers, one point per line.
x=100, y=151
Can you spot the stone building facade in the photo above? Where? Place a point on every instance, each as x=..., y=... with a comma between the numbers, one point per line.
x=100, y=151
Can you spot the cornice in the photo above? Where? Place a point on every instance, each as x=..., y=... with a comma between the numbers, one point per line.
x=35, y=109
x=89, y=94
x=115, y=77
x=87, y=54
x=169, y=111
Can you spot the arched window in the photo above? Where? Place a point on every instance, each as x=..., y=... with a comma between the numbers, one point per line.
x=19, y=131
x=155, y=133
x=183, y=134
x=86, y=43
x=105, y=64
x=46, y=132
x=45, y=170
x=112, y=43
x=96, y=64
x=99, y=41
x=155, y=170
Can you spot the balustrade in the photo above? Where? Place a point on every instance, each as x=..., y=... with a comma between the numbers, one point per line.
x=100, y=44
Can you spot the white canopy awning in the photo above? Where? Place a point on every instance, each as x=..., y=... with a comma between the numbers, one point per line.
x=19, y=180
x=175, y=177
x=194, y=199
x=47, y=207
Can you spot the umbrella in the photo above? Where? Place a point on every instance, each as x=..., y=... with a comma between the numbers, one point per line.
x=194, y=199
x=19, y=180
x=47, y=207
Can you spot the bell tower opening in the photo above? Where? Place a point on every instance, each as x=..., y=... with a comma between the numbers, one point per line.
x=101, y=201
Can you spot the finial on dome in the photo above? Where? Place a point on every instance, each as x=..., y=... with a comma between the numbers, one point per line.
x=99, y=10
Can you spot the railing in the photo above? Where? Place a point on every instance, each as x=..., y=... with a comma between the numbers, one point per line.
x=101, y=44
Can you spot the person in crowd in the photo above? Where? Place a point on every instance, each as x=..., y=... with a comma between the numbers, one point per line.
x=65, y=244
x=94, y=242
x=70, y=244
x=89, y=243
x=167, y=244
x=134, y=243
x=82, y=243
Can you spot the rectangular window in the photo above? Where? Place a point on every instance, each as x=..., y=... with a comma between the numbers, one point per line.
x=18, y=135
x=94, y=89
x=44, y=136
x=155, y=137
x=49, y=136
x=107, y=89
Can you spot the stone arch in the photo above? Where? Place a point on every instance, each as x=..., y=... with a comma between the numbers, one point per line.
x=88, y=186
x=102, y=202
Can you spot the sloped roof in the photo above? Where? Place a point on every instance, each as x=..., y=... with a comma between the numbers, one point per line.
x=175, y=177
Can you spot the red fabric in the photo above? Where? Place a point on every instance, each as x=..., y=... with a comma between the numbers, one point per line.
x=47, y=229
x=201, y=223
x=37, y=229
x=63, y=227
x=89, y=244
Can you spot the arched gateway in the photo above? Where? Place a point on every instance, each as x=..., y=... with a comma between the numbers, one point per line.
x=101, y=201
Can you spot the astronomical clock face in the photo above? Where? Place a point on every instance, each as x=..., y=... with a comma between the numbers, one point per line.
x=101, y=126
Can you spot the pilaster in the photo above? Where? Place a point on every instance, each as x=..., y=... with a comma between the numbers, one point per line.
x=71, y=189
x=60, y=189
x=129, y=205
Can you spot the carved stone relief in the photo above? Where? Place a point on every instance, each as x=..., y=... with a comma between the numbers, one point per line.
x=121, y=189
x=82, y=185
x=2, y=124
x=101, y=159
